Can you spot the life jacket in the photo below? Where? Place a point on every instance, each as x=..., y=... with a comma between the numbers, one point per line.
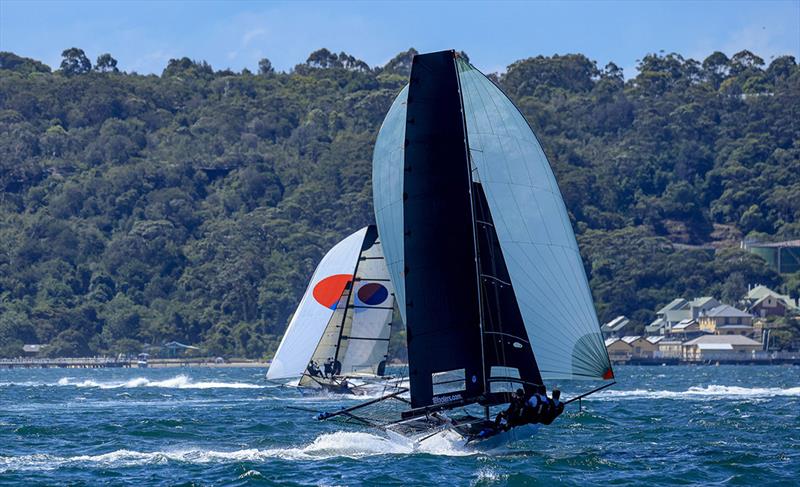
x=554, y=411
x=533, y=409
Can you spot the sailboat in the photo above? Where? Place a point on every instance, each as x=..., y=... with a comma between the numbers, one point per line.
x=478, y=243
x=338, y=338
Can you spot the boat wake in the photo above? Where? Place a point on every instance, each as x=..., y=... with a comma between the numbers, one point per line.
x=177, y=382
x=713, y=391
x=340, y=444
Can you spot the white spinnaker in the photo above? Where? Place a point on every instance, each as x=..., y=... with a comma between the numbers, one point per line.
x=535, y=233
x=371, y=309
x=309, y=321
x=387, y=192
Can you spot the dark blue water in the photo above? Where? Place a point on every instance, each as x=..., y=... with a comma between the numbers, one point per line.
x=659, y=425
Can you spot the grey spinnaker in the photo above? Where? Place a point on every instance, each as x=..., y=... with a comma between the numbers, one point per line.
x=387, y=181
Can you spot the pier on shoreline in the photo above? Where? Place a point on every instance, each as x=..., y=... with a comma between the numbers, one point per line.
x=110, y=362
x=64, y=363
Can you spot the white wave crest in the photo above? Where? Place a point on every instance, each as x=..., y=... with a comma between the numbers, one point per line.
x=177, y=382
x=339, y=444
x=710, y=392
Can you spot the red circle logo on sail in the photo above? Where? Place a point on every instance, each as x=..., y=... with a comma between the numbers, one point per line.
x=328, y=291
x=373, y=294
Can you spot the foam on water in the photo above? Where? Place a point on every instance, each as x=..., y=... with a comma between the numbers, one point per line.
x=712, y=391
x=339, y=444
x=178, y=382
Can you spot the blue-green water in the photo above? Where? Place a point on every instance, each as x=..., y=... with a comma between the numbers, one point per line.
x=658, y=425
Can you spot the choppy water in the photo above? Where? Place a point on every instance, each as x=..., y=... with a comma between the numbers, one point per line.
x=659, y=425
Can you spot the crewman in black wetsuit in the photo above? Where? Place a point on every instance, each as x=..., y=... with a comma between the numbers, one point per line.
x=554, y=409
x=337, y=368
x=328, y=368
x=313, y=369
x=512, y=415
x=535, y=406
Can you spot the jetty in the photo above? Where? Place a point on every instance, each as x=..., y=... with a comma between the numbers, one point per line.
x=64, y=363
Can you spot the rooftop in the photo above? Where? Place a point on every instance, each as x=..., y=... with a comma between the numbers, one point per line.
x=701, y=302
x=723, y=339
x=761, y=292
x=715, y=346
x=656, y=339
x=727, y=311
x=611, y=341
x=630, y=338
x=677, y=303
x=616, y=324
x=684, y=324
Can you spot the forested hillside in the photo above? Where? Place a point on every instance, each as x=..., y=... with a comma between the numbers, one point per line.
x=194, y=206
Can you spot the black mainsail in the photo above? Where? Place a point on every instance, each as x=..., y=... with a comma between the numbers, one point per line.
x=442, y=310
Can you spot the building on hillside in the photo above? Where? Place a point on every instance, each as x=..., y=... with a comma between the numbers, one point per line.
x=656, y=327
x=763, y=302
x=616, y=327
x=618, y=350
x=33, y=349
x=783, y=257
x=678, y=310
x=720, y=347
x=726, y=320
x=669, y=348
x=687, y=329
x=641, y=347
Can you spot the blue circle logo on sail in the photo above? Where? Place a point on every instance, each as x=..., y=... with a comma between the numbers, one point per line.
x=372, y=294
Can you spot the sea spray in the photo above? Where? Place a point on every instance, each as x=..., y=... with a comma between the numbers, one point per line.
x=711, y=392
x=178, y=382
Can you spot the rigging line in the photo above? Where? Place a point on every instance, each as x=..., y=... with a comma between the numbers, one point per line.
x=494, y=293
x=347, y=304
x=507, y=334
x=496, y=279
x=472, y=211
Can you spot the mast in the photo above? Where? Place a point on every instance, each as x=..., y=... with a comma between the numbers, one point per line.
x=347, y=306
x=474, y=232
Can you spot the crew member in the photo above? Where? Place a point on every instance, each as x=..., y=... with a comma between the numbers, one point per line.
x=337, y=368
x=328, y=367
x=512, y=415
x=536, y=406
x=556, y=407
x=313, y=369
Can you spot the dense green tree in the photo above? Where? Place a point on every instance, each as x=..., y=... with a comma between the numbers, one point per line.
x=265, y=67
x=75, y=62
x=106, y=64
x=194, y=206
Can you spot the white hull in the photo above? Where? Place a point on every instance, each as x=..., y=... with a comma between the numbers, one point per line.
x=357, y=386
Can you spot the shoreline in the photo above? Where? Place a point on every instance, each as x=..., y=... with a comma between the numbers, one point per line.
x=110, y=363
